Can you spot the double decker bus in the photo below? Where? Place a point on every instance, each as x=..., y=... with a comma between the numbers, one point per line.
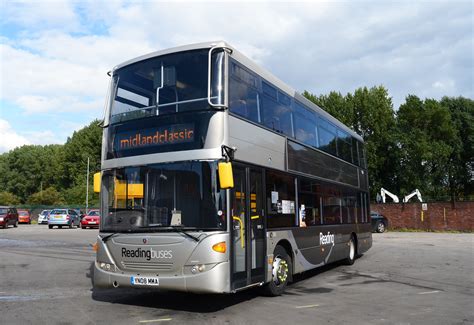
x=216, y=177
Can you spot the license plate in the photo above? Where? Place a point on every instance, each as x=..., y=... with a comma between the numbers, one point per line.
x=144, y=281
x=58, y=217
x=92, y=222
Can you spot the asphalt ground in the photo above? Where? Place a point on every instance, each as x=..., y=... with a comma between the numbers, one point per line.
x=405, y=278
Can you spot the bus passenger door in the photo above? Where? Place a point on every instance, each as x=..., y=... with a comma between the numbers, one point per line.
x=248, y=241
x=257, y=233
x=238, y=230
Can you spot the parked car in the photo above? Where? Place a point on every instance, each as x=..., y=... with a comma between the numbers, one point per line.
x=91, y=220
x=379, y=222
x=24, y=216
x=8, y=216
x=43, y=217
x=79, y=213
x=63, y=217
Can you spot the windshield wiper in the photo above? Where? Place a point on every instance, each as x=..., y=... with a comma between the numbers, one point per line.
x=107, y=237
x=179, y=229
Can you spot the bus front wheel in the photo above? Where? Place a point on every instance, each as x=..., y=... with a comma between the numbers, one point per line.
x=281, y=269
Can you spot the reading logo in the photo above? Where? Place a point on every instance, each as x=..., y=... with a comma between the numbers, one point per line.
x=148, y=254
x=326, y=239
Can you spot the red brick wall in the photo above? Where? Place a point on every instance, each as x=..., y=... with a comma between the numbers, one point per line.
x=438, y=216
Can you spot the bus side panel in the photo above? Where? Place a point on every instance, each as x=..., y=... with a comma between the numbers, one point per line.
x=364, y=238
x=256, y=145
x=316, y=246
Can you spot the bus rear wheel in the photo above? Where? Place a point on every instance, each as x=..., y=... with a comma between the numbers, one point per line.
x=352, y=252
x=281, y=269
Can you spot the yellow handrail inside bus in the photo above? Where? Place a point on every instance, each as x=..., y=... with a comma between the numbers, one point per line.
x=241, y=230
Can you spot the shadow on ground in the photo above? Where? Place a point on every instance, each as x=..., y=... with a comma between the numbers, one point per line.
x=199, y=303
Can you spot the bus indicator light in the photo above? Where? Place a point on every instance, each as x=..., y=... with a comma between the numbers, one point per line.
x=220, y=247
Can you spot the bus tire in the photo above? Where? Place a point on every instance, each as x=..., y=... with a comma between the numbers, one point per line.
x=50, y=227
x=352, y=252
x=281, y=269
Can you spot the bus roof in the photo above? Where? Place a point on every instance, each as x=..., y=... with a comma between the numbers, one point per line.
x=252, y=66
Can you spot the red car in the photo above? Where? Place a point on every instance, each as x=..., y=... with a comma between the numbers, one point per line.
x=91, y=220
x=24, y=216
x=8, y=216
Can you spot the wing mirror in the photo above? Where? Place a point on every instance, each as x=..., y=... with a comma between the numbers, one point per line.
x=226, y=178
x=97, y=182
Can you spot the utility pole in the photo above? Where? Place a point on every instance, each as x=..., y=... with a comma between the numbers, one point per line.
x=87, y=187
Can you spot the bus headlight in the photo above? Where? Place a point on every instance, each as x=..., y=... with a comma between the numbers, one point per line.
x=198, y=268
x=106, y=266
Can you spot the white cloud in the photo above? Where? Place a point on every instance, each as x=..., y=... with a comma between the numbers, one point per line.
x=38, y=85
x=41, y=14
x=41, y=104
x=9, y=139
x=45, y=137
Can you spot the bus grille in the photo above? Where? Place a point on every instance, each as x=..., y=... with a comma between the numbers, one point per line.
x=147, y=266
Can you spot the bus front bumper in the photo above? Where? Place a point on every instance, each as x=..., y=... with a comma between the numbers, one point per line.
x=215, y=280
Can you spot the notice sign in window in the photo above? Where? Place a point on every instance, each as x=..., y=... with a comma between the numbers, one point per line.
x=165, y=135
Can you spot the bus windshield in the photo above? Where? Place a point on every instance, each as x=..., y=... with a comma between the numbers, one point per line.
x=166, y=84
x=162, y=196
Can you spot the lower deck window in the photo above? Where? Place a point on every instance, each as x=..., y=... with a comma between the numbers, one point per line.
x=281, y=210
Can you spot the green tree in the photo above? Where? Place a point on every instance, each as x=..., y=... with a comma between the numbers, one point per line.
x=461, y=161
x=428, y=139
x=7, y=198
x=85, y=143
x=27, y=169
x=77, y=195
x=49, y=196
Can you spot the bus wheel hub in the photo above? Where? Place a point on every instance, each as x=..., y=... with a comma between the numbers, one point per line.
x=280, y=270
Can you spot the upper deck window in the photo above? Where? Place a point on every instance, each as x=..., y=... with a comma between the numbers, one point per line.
x=269, y=90
x=244, y=100
x=277, y=116
x=171, y=83
x=256, y=99
x=305, y=125
x=245, y=76
x=243, y=94
x=327, y=137
x=344, y=145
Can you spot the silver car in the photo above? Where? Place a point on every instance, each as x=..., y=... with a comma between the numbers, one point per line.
x=43, y=217
x=63, y=217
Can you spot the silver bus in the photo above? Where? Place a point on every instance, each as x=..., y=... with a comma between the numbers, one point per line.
x=216, y=176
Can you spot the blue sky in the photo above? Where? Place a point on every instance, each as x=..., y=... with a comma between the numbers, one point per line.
x=54, y=55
